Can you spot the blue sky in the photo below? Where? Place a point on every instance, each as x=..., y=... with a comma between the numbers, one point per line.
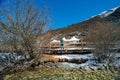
x=66, y=12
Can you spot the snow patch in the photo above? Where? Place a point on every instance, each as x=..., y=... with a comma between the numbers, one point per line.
x=73, y=56
x=86, y=65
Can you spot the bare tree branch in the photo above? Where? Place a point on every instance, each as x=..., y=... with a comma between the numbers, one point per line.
x=21, y=24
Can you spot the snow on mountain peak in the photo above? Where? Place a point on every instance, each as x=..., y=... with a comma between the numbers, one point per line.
x=108, y=12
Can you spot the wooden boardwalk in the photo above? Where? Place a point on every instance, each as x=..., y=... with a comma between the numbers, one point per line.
x=70, y=51
x=73, y=51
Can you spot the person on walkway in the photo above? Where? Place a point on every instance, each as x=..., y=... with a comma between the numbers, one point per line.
x=62, y=43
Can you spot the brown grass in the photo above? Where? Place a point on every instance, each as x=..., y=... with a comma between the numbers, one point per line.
x=47, y=57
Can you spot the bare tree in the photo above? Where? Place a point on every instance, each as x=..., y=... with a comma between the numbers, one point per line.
x=21, y=23
x=105, y=39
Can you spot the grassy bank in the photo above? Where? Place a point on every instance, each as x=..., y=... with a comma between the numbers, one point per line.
x=63, y=74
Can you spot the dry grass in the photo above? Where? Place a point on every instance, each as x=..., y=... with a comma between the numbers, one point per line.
x=63, y=74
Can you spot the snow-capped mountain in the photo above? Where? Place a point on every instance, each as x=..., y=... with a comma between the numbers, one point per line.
x=108, y=12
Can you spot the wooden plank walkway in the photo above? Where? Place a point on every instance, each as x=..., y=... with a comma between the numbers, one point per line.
x=74, y=51
x=69, y=51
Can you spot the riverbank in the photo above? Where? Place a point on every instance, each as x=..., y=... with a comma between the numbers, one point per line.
x=82, y=62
